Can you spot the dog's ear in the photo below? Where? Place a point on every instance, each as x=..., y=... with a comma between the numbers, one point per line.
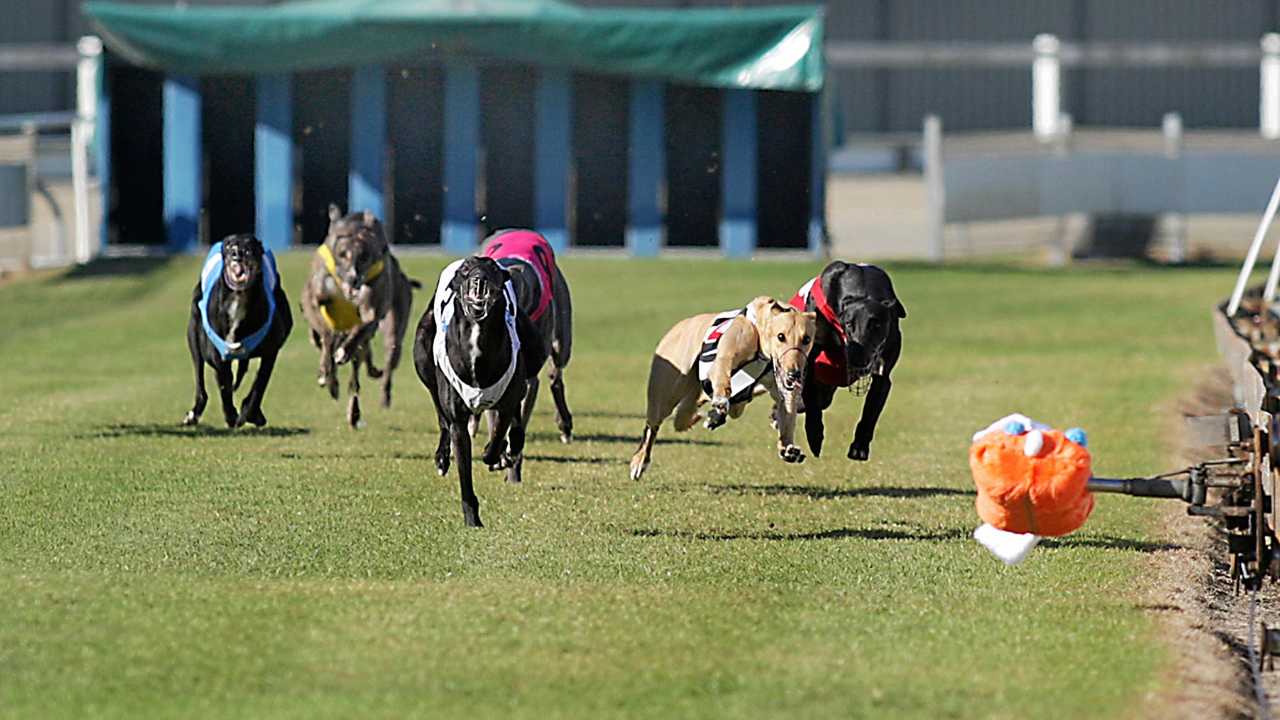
x=369, y=218
x=334, y=213
x=898, y=308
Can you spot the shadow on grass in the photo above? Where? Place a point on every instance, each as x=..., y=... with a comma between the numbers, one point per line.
x=161, y=430
x=1110, y=543
x=609, y=414
x=113, y=267
x=628, y=439
x=575, y=459
x=357, y=456
x=822, y=493
x=835, y=534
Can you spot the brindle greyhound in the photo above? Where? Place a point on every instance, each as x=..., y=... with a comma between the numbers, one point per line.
x=356, y=287
x=723, y=358
x=475, y=351
x=543, y=295
x=858, y=335
x=238, y=311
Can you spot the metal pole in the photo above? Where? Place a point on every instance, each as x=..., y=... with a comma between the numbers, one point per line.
x=935, y=189
x=1252, y=257
x=1046, y=86
x=1269, y=90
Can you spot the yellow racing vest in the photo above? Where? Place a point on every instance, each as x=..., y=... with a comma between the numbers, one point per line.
x=339, y=313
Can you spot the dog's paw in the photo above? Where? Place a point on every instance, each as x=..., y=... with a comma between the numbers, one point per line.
x=859, y=452
x=253, y=417
x=442, y=464
x=715, y=418
x=638, y=466
x=791, y=454
x=191, y=418
x=340, y=356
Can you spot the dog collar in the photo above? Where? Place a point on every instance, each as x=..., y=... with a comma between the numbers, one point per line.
x=331, y=265
x=813, y=289
x=476, y=398
x=210, y=276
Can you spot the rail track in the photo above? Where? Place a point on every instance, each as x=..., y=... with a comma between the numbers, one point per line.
x=1237, y=490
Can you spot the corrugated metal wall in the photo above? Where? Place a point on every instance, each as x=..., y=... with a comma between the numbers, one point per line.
x=896, y=100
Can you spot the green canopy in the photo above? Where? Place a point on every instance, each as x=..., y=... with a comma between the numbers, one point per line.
x=768, y=48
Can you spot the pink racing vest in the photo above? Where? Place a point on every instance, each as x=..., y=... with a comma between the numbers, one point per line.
x=532, y=249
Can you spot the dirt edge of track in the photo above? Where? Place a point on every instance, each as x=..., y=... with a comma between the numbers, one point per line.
x=1201, y=619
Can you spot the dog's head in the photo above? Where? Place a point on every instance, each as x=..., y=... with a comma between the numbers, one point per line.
x=867, y=309
x=786, y=337
x=241, y=261
x=358, y=244
x=477, y=285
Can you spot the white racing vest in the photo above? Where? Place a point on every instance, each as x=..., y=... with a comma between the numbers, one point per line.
x=477, y=399
x=743, y=380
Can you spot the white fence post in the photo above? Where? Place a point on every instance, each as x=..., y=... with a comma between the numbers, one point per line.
x=1269, y=90
x=1175, y=223
x=1046, y=86
x=82, y=137
x=934, y=186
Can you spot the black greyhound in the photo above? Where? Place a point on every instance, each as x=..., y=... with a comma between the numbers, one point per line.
x=238, y=312
x=475, y=351
x=858, y=335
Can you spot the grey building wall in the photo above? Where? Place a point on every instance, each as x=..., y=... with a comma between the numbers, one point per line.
x=896, y=100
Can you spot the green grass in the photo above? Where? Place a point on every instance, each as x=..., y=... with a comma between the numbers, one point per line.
x=311, y=571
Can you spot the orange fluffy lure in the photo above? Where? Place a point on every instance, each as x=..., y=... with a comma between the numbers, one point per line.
x=1032, y=480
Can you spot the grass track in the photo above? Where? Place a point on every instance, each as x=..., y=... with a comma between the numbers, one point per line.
x=308, y=571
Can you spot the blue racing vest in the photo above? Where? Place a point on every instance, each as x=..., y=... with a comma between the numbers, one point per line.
x=210, y=276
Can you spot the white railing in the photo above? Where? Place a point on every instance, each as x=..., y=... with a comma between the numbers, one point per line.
x=1046, y=56
x=84, y=60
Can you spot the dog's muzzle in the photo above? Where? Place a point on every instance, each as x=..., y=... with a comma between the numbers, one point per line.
x=236, y=275
x=475, y=299
x=790, y=382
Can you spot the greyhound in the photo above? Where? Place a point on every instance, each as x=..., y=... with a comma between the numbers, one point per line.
x=238, y=311
x=724, y=358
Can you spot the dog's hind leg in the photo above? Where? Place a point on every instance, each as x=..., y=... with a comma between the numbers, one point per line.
x=564, y=418
x=251, y=408
x=495, y=452
x=686, y=413
x=393, y=328
x=202, y=397
x=640, y=459
x=515, y=452
x=530, y=398
x=242, y=368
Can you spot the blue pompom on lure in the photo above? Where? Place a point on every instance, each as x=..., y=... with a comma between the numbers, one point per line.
x=1078, y=436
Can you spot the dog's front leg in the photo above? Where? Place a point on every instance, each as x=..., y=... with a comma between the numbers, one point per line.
x=327, y=377
x=202, y=396
x=462, y=451
x=351, y=344
x=226, y=384
x=251, y=408
x=515, y=451
x=877, y=396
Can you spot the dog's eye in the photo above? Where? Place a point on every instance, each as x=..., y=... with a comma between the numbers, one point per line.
x=804, y=340
x=782, y=338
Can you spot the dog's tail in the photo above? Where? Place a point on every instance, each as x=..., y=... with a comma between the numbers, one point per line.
x=241, y=369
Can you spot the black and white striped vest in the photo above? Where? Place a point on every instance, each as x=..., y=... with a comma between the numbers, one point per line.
x=743, y=380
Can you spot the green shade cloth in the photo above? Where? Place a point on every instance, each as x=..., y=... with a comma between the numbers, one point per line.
x=776, y=48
